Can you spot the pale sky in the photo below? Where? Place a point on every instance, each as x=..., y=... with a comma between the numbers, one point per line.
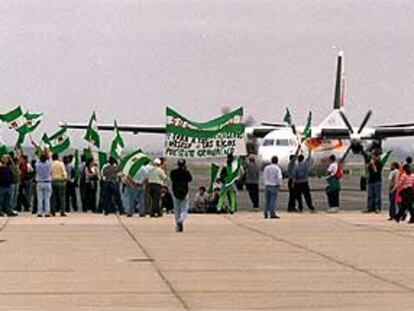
x=129, y=59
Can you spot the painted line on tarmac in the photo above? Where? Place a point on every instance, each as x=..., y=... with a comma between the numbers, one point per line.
x=81, y=293
x=320, y=254
x=153, y=262
x=3, y=226
x=373, y=228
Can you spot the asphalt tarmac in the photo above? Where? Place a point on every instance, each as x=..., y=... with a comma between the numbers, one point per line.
x=344, y=261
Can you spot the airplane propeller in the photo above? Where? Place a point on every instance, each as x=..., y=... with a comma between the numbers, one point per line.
x=355, y=145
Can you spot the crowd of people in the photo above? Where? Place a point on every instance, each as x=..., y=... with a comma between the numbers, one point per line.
x=298, y=184
x=47, y=186
x=400, y=180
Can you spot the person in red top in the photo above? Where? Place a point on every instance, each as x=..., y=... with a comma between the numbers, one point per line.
x=406, y=183
x=25, y=183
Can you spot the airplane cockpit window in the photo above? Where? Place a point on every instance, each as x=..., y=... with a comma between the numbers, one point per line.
x=282, y=142
x=268, y=142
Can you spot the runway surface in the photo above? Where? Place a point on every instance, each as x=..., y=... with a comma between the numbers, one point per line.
x=345, y=261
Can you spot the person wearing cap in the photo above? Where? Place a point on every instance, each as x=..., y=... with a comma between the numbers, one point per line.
x=135, y=191
x=156, y=179
x=180, y=178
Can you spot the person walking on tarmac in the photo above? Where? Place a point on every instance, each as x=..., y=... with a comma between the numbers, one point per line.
x=180, y=178
x=228, y=176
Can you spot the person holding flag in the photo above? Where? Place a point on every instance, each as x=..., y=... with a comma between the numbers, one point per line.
x=301, y=182
x=135, y=168
x=228, y=176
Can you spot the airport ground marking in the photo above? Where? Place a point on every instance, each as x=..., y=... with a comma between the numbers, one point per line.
x=320, y=254
x=372, y=228
x=154, y=264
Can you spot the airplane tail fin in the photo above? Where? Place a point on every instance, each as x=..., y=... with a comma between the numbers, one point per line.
x=334, y=119
x=339, y=99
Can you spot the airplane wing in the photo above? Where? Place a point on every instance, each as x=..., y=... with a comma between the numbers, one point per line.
x=259, y=132
x=272, y=124
x=369, y=133
x=135, y=129
x=396, y=125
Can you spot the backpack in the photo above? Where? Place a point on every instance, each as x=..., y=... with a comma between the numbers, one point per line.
x=339, y=172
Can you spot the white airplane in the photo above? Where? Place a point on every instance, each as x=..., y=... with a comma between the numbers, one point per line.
x=334, y=135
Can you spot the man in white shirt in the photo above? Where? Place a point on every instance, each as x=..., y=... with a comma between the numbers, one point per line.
x=156, y=179
x=272, y=177
x=333, y=167
x=333, y=185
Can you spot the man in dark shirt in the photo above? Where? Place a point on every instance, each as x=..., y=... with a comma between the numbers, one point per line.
x=301, y=182
x=180, y=178
x=251, y=171
x=374, y=169
x=6, y=180
x=291, y=185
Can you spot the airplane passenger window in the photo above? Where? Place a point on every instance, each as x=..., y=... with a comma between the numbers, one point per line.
x=282, y=142
x=268, y=142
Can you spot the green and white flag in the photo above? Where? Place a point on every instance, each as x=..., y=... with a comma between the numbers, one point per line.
x=307, y=131
x=58, y=142
x=117, y=145
x=32, y=122
x=76, y=165
x=87, y=153
x=232, y=173
x=212, y=139
x=102, y=159
x=14, y=118
x=20, y=140
x=288, y=117
x=384, y=157
x=214, y=175
x=23, y=123
x=92, y=134
x=132, y=162
x=3, y=148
